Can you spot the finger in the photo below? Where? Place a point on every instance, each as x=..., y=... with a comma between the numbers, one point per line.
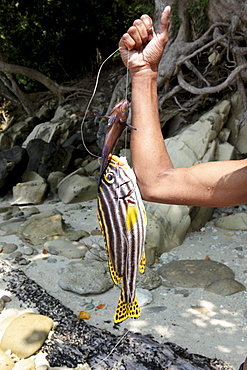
x=138, y=33
x=126, y=42
x=165, y=21
x=149, y=25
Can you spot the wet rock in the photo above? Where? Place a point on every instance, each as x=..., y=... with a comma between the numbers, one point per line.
x=77, y=188
x=26, y=334
x=237, y=221
x=225, y=287
x=6, y=362
x=86, y=277
x=66, y=248
x=47, y=226
x=194, y=273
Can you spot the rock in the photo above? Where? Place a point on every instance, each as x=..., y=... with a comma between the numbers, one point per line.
x=13, y=163
x=225, y=287
x=31, y=211
x=6, y=362
x=47, y=226
x=144, y=296
x=26, y=334
x=237, y=221
x=92, y=166
x=32, y=190
x=2, y=304
x=54, y=179
x=9, y=248
x=194, y=273
x=166, y=229
x=77, y=188
x=149, y=280
x=45, y=158
x=86, y=277
x=66, y=248
x=27, y=364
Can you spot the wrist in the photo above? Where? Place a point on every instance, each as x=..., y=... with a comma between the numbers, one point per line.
x=144, y=74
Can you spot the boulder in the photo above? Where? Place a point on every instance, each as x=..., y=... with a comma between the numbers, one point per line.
x=13, y=163
x=26, y=334
x=77, y=188
x=32, y=190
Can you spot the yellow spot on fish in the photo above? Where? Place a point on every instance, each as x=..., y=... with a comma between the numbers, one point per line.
x=131, y=215
x=142, y=264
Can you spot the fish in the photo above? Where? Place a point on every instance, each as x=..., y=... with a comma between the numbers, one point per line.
x=122, y=219
x=117, y=122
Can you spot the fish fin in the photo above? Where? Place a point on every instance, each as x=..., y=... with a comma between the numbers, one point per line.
x=125, y=310
x=114, y=275
x=142, y=263
x=145, y=216
x=131, y=215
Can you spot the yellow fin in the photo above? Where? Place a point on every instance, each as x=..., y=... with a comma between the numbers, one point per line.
x=142, y=263
x=131, y=215
x=114, y=275
x=125, y=310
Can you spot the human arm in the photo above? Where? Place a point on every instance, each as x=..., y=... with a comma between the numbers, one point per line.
x=206, y=184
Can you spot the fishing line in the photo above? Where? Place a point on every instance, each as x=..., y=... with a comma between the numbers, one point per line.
x=126, y=97
x=113, y=349
x=90, y=101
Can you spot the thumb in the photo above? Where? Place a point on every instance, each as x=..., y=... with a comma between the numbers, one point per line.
x=164, y=23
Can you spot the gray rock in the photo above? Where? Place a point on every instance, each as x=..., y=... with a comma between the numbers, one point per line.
x=66, y=248
x=225, y=287
x=54, y=179
x=86, y=277
x=77, y=188
x=149, y=280
x=31, y=211
x=9, y=248
x=144, y=296
x=30, y=192
x=194, y=273
x=238, y=221
x=47, y=226
x=26, y=334
x=16, y=254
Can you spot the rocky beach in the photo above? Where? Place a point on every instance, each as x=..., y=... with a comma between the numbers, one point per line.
x=57, y=299
x=199, y=304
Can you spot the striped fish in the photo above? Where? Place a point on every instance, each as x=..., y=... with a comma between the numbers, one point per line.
x=122, y=219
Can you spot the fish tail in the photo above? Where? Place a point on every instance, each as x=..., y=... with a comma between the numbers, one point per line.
x=125, y=310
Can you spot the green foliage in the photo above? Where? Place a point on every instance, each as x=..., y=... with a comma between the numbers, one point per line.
x=62, y=38
x=198, y=13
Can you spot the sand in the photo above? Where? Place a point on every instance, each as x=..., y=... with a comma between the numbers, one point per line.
x=204, y=322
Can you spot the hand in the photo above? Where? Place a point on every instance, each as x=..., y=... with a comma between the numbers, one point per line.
x=141, y=48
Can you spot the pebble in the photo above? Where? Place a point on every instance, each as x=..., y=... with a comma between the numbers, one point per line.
x=27, y=364
x=66, y=248
x=144, y=296
x=28, y=251
x=9, y=248
x=225, y=287
x=6, y=362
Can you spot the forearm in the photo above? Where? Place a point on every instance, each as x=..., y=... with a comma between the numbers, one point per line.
x=147, y=144
x=208, y=184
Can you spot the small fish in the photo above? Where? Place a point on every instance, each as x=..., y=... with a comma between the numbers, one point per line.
x=122, y=217
x=117, y=122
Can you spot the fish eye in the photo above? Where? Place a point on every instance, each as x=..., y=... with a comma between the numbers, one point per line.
x=109, y=176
